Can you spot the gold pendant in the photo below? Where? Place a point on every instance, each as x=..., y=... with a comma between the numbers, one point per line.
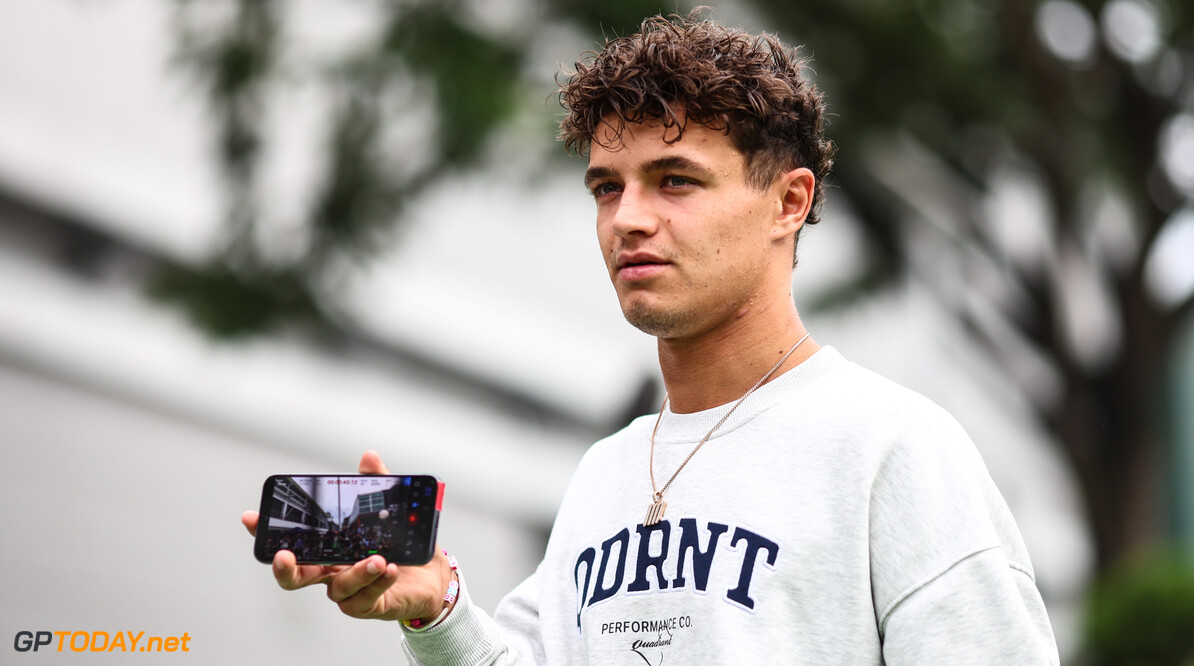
x=655, y=511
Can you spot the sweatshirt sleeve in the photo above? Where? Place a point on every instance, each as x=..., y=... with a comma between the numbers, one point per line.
x=951, y=579
x=982, y=610
x=470, y=637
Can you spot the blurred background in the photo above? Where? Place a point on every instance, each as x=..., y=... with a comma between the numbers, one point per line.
x=246, y=237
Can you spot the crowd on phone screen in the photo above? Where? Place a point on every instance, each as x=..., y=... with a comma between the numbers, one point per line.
x=353, y=542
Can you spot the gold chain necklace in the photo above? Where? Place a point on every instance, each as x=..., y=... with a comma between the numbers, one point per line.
x=658, y=506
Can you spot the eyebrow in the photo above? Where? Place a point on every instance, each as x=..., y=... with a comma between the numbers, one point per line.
x=597, y=173
x=659, y=164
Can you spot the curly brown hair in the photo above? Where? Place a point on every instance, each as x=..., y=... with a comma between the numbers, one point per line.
x=683, y=68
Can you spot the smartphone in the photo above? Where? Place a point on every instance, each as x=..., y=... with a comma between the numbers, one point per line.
x=342, y=519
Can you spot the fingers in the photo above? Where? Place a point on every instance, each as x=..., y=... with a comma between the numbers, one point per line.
x=249, y=520
x=371, y=464
x=291, y=575
x=357, y=589
x=286, y=570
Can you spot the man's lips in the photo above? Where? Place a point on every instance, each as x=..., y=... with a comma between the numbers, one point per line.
x=640, y=265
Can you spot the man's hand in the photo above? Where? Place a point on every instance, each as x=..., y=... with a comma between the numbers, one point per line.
x=370, y=588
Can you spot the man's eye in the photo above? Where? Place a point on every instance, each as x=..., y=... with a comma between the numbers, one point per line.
x=602, y=189
x=677, y=181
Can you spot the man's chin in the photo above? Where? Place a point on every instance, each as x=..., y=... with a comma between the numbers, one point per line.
x=659, y=323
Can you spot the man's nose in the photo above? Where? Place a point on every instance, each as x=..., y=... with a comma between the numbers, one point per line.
x=635, y=213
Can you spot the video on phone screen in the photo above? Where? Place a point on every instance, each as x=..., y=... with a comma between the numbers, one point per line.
x=348, y=518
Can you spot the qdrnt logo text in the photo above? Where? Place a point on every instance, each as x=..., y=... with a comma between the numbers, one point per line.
x=99, y=641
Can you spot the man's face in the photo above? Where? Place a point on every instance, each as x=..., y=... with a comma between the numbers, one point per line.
x=689, y=244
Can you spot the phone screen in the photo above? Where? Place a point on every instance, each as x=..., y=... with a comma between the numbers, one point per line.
x=341, y=519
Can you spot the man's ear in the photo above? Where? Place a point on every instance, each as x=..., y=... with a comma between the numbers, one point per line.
x=796, y=189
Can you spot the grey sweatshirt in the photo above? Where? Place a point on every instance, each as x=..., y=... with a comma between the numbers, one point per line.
x=835, y=518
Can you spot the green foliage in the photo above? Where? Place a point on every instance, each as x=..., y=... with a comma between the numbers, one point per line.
x=612, y=18
x=235, y=304
x=359, y=196
x=1142, y=613
x=475, y=75
x=234, y=64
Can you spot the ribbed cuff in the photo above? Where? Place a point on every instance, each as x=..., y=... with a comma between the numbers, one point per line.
x=466, y=636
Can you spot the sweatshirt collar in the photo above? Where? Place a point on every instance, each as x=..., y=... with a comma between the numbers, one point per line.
x=692, y=426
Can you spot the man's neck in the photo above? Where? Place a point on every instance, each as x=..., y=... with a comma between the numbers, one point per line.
x=718, y=367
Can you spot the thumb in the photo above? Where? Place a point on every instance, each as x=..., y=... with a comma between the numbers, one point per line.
x=371, y=464
x=249, y=520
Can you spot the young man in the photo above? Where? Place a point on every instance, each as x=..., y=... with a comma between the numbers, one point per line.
x=786, y=506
